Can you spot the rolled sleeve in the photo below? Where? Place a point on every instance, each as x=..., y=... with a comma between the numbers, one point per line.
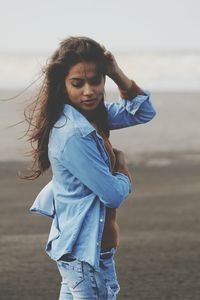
x=83, y=159
x=125, y=113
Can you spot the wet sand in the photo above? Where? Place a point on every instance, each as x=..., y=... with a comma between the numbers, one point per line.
x=158, y=257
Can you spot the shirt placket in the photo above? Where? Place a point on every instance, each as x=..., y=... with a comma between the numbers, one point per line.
x=103, y=210
x=101, y=142
x=101, y=227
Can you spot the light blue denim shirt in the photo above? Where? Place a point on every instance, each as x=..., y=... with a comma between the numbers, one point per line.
x=83, y=184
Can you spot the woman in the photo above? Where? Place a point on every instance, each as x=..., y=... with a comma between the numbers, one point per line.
x=90, y=178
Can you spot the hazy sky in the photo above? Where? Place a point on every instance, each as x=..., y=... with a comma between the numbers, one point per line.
x=120, y=25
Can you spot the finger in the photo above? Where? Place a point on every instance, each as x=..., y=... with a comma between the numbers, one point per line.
x=116, y=150
x=103, y=47
x=107, y=53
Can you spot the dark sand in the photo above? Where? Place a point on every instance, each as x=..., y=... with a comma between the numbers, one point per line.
x=159, y=254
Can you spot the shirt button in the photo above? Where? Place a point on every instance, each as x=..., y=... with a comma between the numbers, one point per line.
x=101, y=220
x=97, y=244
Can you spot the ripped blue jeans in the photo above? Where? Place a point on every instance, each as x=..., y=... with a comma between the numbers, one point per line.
x=81, y=281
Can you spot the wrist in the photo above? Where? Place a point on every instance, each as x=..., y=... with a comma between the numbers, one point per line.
x=126, y=172
x=131, y=92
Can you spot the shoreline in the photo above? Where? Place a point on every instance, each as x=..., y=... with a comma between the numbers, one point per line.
x=174, y=128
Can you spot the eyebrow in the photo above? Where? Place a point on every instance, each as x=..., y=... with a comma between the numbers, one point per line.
x=76, y=78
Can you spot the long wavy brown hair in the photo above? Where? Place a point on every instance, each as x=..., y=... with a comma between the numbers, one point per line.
x=46, y=109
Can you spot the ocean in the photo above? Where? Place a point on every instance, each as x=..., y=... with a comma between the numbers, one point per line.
x=158, y=71
x=172, y=77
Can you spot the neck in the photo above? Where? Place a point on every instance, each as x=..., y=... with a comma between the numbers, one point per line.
x=91, y=116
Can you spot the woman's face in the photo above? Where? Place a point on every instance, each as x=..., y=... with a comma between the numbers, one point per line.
x=84, y=86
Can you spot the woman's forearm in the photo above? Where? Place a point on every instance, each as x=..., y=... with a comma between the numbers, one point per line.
x=127, y=87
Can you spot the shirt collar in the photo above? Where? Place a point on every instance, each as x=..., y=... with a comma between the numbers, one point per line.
x=79, y=120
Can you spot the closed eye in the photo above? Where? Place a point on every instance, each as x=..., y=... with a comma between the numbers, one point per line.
x=77, y=83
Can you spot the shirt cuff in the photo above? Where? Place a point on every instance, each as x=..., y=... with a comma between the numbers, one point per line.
x=134, y=104
x=127, y=179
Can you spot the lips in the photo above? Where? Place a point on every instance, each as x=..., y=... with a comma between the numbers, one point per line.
x=89, y=101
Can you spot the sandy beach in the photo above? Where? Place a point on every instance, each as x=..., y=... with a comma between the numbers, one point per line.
x=158, y=256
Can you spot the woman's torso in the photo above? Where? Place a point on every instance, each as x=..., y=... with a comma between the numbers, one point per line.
x=110, y=237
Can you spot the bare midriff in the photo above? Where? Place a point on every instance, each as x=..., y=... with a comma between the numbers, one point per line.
x=110, y=237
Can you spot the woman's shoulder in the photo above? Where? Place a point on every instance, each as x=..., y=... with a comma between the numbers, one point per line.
x=62, y=130
x=67, y=128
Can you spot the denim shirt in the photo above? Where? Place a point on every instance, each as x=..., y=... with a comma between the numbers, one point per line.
x=83, y=185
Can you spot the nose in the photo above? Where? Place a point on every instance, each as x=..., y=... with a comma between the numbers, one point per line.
x=88, y=90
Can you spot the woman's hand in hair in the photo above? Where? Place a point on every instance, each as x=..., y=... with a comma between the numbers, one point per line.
x=112, y=68
x=128, y=88
x=114, y=71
